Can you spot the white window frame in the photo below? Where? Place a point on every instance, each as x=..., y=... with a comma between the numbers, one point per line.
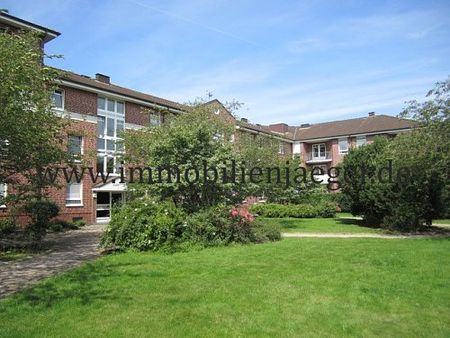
x=116, y=116
x=319, y=152
x=4, y=190
x=342, y=140
x=281, y=148
x=62, y=93
x=77, y=156
x=358, y=140
x=69, y=204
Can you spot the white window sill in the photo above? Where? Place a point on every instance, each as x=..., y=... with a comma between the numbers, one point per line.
x=74, y=205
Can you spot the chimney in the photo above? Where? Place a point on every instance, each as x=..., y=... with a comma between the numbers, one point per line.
x=279, y=127
x=372, y=113
x=102, y=78
x=243, y=119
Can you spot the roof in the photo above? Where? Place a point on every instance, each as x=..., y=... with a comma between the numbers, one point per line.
x=8, y=19
x=362, y=125
x=259, y=128
x=114, y=89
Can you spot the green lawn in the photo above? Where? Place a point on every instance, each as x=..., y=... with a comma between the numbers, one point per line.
x=323, y=225
x=308, y=287
x=441, y=221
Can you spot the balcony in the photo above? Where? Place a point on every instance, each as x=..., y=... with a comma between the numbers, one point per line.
x=322, y=157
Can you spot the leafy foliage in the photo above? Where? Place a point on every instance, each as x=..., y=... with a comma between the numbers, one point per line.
x=418, y=189
x=41, y=212
x=145, y=224
x=324, y=209
x=31, y=135
x=188, y=142
x=7, y=226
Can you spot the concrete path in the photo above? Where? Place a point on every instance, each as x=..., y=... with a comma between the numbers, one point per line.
x=361, y=235
x=67, y=250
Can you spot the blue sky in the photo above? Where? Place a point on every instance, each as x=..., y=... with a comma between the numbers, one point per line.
x=290, y=61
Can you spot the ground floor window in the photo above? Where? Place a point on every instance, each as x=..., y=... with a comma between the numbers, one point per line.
x=74, y=194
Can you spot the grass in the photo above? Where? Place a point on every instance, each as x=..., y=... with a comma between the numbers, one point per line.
x=308, y=287
x=441, y=221
x=12, y=255
x=320, y=225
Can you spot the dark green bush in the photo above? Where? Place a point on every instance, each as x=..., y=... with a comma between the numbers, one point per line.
x=7, y=226
x=323, y=209
x=342, y=201
x=144, y=224
x=58, y=225
x=41, y=212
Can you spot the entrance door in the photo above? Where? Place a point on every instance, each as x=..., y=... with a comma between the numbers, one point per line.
x=105, y=202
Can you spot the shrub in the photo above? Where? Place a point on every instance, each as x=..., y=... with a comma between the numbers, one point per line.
x=79, y=223
x=266, y=232
x=324, y=209
x=7, y=226
x=144, y=224
x=58, y=225
x=342, y=201
x=219, y=226
x=149, y=225
x=40, y=211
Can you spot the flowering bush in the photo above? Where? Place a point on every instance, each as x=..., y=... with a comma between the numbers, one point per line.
x=148, y=225
x=219, y=225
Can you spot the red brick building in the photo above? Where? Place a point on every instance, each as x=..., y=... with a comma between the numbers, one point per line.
x=100, y=110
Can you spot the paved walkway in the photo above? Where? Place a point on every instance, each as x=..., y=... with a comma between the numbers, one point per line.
x=361, y=235
x=67, y=250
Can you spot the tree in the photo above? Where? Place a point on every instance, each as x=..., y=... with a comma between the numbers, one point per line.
x=176, y=155
x=30, y=133
x=261, y=151
x=419, y=189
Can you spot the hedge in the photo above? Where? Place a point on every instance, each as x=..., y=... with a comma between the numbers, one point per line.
x=325, y=209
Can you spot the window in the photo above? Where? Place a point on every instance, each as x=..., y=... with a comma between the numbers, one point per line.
x=3, y=192
x=281, y=148
x=75, y=146
x=58, y=99
x=343, y=145
x=319, y=150
x=155, y=119
x=110, y=125
x=74, y=194
x=360, y=141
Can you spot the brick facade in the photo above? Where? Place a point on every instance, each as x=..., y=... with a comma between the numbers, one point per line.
x=80, y=101
x=136, y=114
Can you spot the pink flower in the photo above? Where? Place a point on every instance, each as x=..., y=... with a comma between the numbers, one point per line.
x=234, y=213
